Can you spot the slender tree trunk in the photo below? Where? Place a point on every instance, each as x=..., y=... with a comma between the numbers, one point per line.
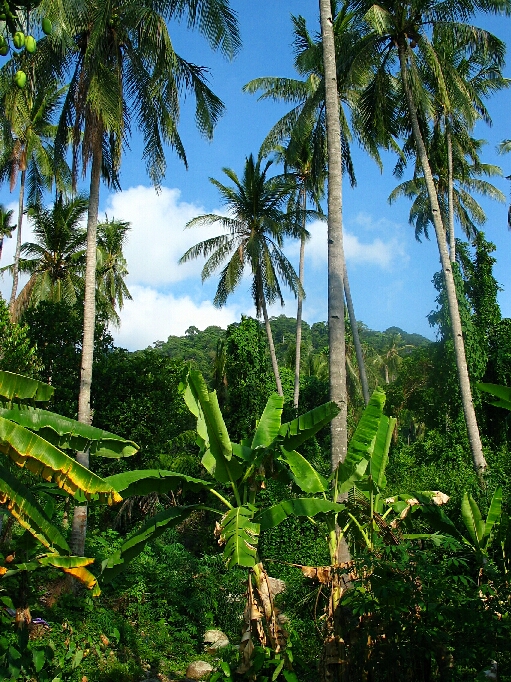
x=356, y=338
x=337, y=358
x=15, y=269
x=79, y=525
x=299, y=310
x=459, y=346
x=450, y=181
x=273, y=355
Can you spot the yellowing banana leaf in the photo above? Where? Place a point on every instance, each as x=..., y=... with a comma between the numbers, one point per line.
x=148, y=481
x=297, y=431
x=27, y=511
x=73, y=565
x=29, y=450
x=18, y=388
x=269, y=423
x=153, y=528
x=307, y=506
x=241, y=536
x=69, y=434
x=303, y=473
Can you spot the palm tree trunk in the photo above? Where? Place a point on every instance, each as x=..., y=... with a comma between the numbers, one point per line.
x=452, y=240
x=299, y=310
x=273, y=355
x=337, y=358
x=459, y=346
x=15, y=268
x=79, y=526
x=356, y=337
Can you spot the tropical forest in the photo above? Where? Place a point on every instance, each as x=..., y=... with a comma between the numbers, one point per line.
x=315, y=493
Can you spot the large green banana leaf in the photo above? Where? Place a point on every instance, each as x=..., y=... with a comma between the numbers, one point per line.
x=153, y=528
x=21, y=389
x=364, y=439
x=502, y=393
x=147, y=481
x=297, y=431
x=307, y=506
x=380, y=457
x=494, y=514
x=28, y=512
x=69, y=434
x=480, y=531
x=306, y=477
x=217, y=458
x=73, y=565
x=27, y=449
x=241, y=536
x=269, y=423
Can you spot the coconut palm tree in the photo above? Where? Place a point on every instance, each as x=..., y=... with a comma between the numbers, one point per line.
x=6, y=227
x=457, y=179
x=400, y=31
x=306, y=120
x=255, y=229
x=55, y=260
x=27, y=132
x=111, y=267
x=125, y=71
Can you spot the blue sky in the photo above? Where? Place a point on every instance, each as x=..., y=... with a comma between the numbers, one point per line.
x=390, y=272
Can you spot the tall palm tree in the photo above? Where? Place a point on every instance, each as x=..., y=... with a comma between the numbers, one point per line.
x=6, y=227
x=124, y=71
x=255, y=231
x=456, y=179
x=27, y=131
x=111, y=266
x=306, y=120
x=399, y=30
x=55, y=260
x=297, y=157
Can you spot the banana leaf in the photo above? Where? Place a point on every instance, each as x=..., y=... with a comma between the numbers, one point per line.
x=269, y=423
x=217, y=458
x=28, y=512
x=241, y=536
x=153, y=528
x=73, y=565
x=303, y=473
x=307, y=506
x=21, y=389
x=148, y=481
x=501, y=393
x=380, y=456
x=362, y=443
x=29, y=450
x=69, y=434
x=300, y=429
x=472, y=519
x=494, y=514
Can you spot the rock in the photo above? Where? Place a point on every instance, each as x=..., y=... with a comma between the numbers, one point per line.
x=198, y=670
x=215, y=639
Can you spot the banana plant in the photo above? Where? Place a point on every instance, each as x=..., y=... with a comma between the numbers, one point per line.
x=481, y=531
x=33, y=439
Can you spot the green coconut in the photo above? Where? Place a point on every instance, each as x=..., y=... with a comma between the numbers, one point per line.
x=30, y=44
x=20, y=78
x=46, y=26
x=19, y=40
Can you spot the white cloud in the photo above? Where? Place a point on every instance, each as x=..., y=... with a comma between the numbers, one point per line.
x=157, y=238
x=380, y=251
x=9, y=249
x=153, y=316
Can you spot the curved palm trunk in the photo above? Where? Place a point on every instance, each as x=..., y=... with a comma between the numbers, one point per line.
x=459, y=346
x=337, y=359
x=15, y=269
x=79, y=525
x=273, y=355
x=356, y=338
x=452, y=240
x=296, y=396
